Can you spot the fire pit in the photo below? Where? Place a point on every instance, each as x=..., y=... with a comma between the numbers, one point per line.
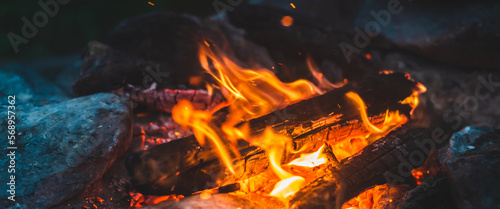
x=267, y=105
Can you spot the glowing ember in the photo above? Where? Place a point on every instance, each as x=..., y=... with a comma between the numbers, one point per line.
x=138, y=200
x=418, y=175
x=205, y=195
x=348, y=147
x=377, y=197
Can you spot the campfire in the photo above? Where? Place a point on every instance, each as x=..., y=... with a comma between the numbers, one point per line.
x=264, y=107
x=240, y=147
x=250, y=136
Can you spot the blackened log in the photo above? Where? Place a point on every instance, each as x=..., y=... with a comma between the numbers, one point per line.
x=380, y=93
x=183, y=167
x=434, y=192
x=388, y=160
x=105, y=69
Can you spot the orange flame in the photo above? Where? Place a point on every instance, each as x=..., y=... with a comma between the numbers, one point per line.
x=288, y=187
x=185, y=114
x=392, y=118
x=323, y=83
x=256, y=91
x=275, y=145
x=250, y=93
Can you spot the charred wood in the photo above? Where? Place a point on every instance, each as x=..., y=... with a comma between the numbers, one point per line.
x=165, y=99
x=184, y=167
x=388, y=160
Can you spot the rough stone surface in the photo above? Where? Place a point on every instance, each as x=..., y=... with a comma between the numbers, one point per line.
x=460, y=33
x=109, y=191
x=28, y=86
x=434, y=192
x=64, y=147
x=472, y=163
x=456, y=97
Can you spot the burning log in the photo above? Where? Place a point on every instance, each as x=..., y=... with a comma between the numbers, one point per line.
x=388, y=160
x=184, y=167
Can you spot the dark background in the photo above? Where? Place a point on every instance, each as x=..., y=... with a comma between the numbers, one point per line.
x=77, y=23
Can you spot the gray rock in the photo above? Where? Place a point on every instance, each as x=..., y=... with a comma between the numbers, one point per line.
x=434, y=192
x=28, y=86
x=460, y=33
x=63, y=147
x=457, y=98
x=472, y=163
x=13, y=84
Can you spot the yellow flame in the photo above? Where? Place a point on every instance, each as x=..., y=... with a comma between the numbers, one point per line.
x=413, y=99
x=323, y=83
x=275, y=145
x=355, y=143
x=348, y=147
x=250, y=93
x=310, y=160
x=185, y=114
x=392, y=118
x=288, y=187
x=256, y=91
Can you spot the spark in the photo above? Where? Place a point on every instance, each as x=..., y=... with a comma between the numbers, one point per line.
x=286, y=21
